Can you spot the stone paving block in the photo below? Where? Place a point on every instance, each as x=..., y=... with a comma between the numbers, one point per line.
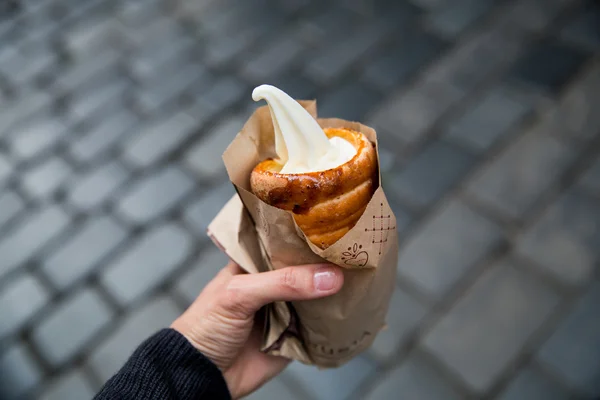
x=147, y=263
x=531, y=384
x=590, y=179
x=26, y=105
x=205, y=156
x=275, y=57
x=275, y=389
x=24, y=65
x=488, y=120
x=155, y=59
x=334, y=60
x=436, y=256
x=44, y=179
x=293, y=84
x=477, y=338
x=140, y=324
x=72, y=386
x=154, y=143
x=155, y=194
x=548, y=65
x=19, y=373
x=5, y=169
x=190, y=284
x=89, y=35
x=398, y=62
x=452, y=18
x=89, y=190
x=513, y=181
x=403, y=316
x=351, y=101
x=104, y=135
x=19, y=301
x=96, y=239
x=221, y=95
x=576, y=116
x=80, y=73
x=202, y=211
x=431, y=173
x=573, y=350
x=536, y=15
x=332, y=384
x=565, y=241
x=158, y=93
x=98, y=99
x=10, y=205
x=410, y=114
x=582, y=28
x=413, y=379
x=26, y=239
x=222, y=49
x=35, y=137
x=70, y=326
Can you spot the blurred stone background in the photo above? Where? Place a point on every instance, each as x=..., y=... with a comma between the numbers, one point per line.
x=113, y=118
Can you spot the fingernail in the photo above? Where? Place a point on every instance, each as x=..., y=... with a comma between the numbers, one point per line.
x=324, y=279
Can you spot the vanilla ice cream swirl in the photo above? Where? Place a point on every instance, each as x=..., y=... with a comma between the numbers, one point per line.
x=300, y=143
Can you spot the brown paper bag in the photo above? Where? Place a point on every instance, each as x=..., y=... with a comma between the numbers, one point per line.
x=326, y=332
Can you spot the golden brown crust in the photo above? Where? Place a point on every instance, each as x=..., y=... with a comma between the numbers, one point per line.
x=325, y=204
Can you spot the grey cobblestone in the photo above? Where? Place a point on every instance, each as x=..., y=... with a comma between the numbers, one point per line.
x=89, y=190
x=573, y=351
x=274, y=390
x=398, y=62
x=10, y=205
x=221, y=95
x=481, y=325
x=35, y=137
x=44, y=179
x=23, y=108
x=452, y=18
x=89, y=36
x=109, y=356
x=80, y=74
x=531, y=384
x=106, y=134
x=72, y=386
x=155, y=143
x=97, y=238
x=413, y=379
x=332, y=384
x=490, y=119
x=19, y=302
x=431, y=173
x=204, y=157
x=435, y=257
x=30, y=236
x=565, y=241
x=18, y=373
x=70, y=326
x=513, y=181
x=204, y=270
x=155, y=194
x=582, y=28
x=5, y=169
x=548, y=65
x=202, y=211
x=403, y=316
x=590, y=179
x=351, y=101
x=97, y=99
x=147, y=262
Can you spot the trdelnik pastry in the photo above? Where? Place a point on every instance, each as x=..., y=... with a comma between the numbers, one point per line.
x=325, y=177
x=308, y=190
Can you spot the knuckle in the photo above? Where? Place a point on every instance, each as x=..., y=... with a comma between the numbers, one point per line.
x=289, y=279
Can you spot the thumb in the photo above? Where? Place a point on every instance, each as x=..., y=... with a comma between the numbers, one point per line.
x=249, y=292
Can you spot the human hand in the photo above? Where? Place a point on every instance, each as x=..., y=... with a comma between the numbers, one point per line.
x=220, y=322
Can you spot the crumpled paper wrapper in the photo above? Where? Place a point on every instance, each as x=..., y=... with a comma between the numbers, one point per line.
x=325, y=332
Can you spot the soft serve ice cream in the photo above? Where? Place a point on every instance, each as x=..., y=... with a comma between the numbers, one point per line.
x=300, y=143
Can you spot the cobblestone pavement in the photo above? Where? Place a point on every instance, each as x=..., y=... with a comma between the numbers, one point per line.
x=113, y=117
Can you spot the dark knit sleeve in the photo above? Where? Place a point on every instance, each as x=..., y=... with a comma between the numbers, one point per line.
x=166, y=366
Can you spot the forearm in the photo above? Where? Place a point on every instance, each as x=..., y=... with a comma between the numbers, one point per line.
x=166, y=366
